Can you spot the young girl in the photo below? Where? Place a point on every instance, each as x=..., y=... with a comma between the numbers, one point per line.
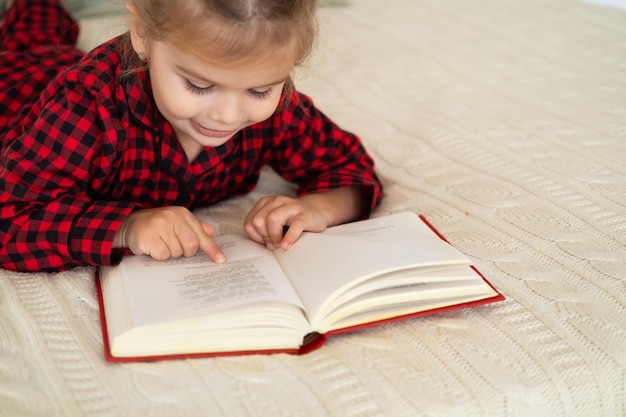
x=108, y=153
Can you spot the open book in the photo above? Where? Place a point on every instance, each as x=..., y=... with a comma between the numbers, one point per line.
x=264, y=301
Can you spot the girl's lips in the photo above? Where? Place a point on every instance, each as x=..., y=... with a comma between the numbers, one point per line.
x=210, y=132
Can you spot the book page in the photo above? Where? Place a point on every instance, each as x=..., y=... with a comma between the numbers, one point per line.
x=323, y=265
x=382, y=303
x=407, y=286
x=181, y=288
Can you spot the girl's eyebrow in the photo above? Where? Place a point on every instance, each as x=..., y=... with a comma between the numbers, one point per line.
x=198, y=77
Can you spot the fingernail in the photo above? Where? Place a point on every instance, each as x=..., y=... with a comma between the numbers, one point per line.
x=220, y=259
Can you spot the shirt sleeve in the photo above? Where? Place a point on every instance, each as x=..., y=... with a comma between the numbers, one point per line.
x=51, y=215
x=316, y=154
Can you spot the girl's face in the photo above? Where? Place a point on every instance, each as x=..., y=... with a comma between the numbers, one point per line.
x=207, y=104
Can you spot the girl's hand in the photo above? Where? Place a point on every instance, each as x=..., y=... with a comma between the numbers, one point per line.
x=167, y=232
x=278, y=221
x=270, y=216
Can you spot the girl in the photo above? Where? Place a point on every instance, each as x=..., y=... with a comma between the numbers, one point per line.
x=109, y=152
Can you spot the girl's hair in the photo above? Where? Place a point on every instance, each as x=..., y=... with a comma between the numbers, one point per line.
x=229, y=31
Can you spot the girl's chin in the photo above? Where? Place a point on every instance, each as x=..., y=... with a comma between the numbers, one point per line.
x=214, y=143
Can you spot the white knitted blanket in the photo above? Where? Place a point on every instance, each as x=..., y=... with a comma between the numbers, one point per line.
x=504, y=122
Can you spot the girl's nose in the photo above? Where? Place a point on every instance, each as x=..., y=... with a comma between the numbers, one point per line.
x=226, y=108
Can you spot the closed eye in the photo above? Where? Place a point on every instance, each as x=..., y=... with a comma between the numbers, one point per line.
x=261, y=95
x=192, y=88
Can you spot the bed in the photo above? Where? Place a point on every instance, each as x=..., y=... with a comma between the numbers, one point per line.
x=504, y=123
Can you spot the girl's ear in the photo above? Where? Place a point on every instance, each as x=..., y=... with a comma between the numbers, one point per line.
x=138, y=35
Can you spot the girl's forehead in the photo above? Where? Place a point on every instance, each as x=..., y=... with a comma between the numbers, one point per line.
x=253, y=71
x=260, y=57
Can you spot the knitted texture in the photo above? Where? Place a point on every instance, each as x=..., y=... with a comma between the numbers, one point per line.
x=502, y=121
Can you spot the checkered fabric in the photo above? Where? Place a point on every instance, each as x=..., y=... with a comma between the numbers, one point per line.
x=83, y=147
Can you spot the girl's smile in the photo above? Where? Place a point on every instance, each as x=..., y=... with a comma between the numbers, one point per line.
x=211, y=133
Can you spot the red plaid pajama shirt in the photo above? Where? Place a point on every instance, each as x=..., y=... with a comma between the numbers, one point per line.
x=82, y=148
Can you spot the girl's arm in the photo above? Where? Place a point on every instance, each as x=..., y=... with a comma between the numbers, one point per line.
x=335, y=175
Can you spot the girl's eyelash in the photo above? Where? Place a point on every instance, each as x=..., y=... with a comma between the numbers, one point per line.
x=261, y=95
x=195, y=89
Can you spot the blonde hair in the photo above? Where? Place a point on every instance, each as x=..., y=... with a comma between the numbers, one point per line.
x=230, y=31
